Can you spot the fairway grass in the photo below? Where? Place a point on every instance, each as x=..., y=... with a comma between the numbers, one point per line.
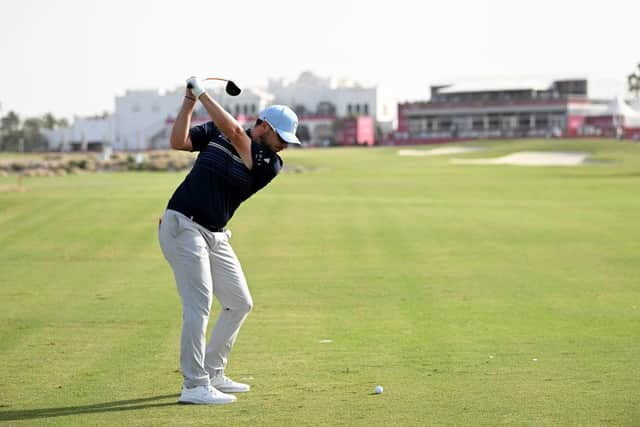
x=474, y=294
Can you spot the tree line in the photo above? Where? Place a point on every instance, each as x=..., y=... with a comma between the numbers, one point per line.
x=633, y=82
x=26, y=135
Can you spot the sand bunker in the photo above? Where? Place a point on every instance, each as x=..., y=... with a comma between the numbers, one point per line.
x=439, y=151
x=11, y=188
x=531, y=158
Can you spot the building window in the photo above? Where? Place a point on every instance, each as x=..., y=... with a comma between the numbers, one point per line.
x=366, y=109
x=300, y=109
x=135, y=108
x=357, y=108
x=253, y=108
x=414, y=127
x=245, y=109
x=326, y=108
x=542, y=121
x=494, y=121
x=349, y=109
x=237, y=110
x=524, y=121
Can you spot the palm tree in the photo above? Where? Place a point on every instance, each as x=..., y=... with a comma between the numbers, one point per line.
x=10, y=130
x=49, y=121
x=33, y=138
x=633, y=80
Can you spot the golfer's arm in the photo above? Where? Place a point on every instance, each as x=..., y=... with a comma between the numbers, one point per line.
x=230, y=128
x=180, y=131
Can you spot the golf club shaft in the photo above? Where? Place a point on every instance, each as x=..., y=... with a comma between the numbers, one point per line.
x=217, y=78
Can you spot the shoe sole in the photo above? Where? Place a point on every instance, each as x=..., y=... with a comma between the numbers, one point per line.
x=185, y=402
x=228, y=390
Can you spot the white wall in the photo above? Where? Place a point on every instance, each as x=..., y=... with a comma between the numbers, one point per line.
x=250, y=102
x=57, y=138
x=140, y=114
x=387, y=111
x=309, y=90
x=92, y=129
x=83, y=130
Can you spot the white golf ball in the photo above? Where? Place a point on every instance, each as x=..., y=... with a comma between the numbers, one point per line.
x=378, y=389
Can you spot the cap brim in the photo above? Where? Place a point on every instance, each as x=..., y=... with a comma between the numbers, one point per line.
x=288, y=137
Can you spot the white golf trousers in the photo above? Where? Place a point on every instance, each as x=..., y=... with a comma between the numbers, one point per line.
x=204, y=265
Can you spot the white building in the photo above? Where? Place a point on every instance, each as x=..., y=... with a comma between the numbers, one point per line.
x=249, y=103
x=311, y=94
x=143, y=119
x=85, y=133
x=140, y=114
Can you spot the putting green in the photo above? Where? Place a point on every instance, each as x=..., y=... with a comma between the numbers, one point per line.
x=474, y=294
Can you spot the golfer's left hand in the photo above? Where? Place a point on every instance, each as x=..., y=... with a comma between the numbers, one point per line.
x=195, y=86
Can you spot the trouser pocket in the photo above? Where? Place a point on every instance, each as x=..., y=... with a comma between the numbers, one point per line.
x=172, y=223
x=168, y=230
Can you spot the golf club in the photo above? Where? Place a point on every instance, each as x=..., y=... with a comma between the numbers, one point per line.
x=231, y=88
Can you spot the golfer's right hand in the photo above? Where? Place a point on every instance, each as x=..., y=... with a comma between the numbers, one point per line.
x=195, y=86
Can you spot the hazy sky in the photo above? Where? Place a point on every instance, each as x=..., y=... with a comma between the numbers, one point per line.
x=73, y=57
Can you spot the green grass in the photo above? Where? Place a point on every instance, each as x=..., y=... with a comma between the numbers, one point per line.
x=443, y=283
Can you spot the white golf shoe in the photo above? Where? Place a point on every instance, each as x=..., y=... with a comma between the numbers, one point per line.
x=205, y=395
x=227, y=385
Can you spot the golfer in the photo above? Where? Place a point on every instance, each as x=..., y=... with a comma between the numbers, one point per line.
x=232, y=165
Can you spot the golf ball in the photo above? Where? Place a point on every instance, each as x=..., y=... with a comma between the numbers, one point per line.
x=378, y=389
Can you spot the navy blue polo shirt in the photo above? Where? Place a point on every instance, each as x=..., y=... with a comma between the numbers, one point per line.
x=219, y=181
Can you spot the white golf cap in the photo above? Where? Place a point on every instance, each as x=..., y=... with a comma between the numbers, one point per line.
x=283, y=120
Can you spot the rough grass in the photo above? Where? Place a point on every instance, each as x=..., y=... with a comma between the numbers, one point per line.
x=476, y=295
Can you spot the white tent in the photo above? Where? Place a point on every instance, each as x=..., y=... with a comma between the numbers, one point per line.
x=618, y=108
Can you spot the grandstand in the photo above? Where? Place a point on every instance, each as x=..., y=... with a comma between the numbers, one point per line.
x=511, y=110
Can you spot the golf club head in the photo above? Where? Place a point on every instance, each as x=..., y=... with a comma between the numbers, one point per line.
x=232, y=89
